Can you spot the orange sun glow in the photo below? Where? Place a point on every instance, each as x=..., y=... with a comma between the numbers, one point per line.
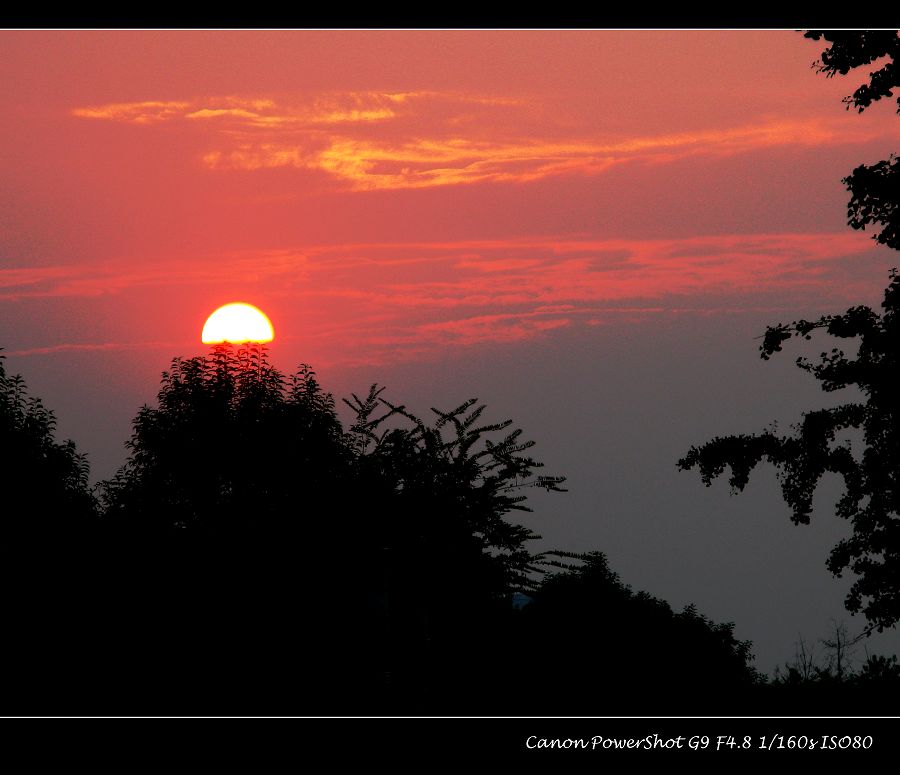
x=235, y=323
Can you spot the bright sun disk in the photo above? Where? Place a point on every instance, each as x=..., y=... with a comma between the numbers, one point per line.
x=237, y=323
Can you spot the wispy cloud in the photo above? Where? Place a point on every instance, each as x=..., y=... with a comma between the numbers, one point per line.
x=507, y=327
x=90, y=347
x=381, y=298
x=427, y=162
x=251, y=113
x=380, y=140
x=548, y=270
x=99, y=279
x=148, y=112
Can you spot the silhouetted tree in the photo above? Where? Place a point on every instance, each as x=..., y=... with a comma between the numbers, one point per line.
x=871, y=500
x=253, y=555
x=828, y=682
x=45, y=488
x=881, y=670
x=233, y=445
x=379, y=557
x=451, y=559
x=875, y=189
x=834, y=664
x=804, y=666
x=48, y=514
x=871, y=475
x=595, y=647
x=841, y=648
x=451, y=492
x=236, y=513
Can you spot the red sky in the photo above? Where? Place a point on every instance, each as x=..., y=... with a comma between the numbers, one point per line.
x=409, y=200
x=376, y=191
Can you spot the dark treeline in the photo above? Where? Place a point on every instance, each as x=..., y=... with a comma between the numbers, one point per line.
x=254, y=556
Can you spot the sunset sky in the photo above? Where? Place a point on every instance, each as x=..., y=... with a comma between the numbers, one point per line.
x=584, y=229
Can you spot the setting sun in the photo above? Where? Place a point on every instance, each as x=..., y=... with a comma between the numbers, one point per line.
x=236, y=323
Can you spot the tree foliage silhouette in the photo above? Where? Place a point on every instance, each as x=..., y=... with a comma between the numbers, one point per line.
x=231, y=438
x=451, y=491
x=254, y=555
x=228, y=446
x=49, y=515
x=625, y=651
x=451, y=558
x=871, y=475
x=391, y=537
x=874, y=189
x=816, y=679
x=46, y=490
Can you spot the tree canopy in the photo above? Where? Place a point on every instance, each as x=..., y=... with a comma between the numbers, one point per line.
x=850, y=49
x=46, y=489
x=256, y=552
x=605, y=648
x=871, y=475
x=233, y=444
x=229, y=447
x=875, y=188
x=871, y=499
x=382, y=553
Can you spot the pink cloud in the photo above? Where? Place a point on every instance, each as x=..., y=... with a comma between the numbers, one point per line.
x=378, y=297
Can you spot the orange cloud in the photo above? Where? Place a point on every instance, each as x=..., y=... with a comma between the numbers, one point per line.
x=419, y=143
x=366, y=164
x=147, y=112
x=253, y=113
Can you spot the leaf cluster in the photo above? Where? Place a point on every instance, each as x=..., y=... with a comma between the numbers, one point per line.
x=870, y=471
x=45, y=482
x=452, y=482
x=874, y=189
